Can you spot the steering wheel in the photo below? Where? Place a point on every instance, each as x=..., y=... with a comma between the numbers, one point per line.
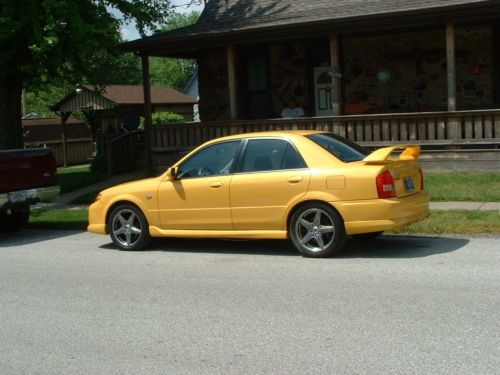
x=205, y=171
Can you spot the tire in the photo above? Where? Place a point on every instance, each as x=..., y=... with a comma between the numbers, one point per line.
x=16, y=220
x=128, y=228
x=367, y=236
x=317, y=230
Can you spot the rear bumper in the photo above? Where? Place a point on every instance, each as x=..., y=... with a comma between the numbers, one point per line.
x=32, y=196
x=376, y=215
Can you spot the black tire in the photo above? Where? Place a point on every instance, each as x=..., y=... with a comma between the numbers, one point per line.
x=123, y=223
x=317, y=238
x=367, y=236
x=16, y=220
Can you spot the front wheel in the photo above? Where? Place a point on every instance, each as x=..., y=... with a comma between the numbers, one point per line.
x=317, y=230
x=129, y=228
x=18, y=219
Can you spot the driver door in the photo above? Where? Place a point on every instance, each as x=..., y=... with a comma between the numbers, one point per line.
x=198, y=199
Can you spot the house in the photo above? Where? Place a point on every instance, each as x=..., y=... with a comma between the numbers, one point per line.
x=191, y=89
x=428, y=72
x=47, y=132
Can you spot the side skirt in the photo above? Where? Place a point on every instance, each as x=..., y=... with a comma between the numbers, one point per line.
x=251, y=234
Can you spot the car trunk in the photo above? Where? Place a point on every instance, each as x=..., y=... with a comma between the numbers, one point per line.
x=26, y=169
x=404, y=168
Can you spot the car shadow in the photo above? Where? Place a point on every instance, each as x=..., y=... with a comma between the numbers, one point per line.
x=30, y=236
x=383, y=247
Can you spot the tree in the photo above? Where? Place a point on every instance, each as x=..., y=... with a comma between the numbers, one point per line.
x=49, y=39
x=173, y=72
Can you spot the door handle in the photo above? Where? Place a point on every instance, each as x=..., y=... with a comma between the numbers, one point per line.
x=216, y=184
x=295, y=179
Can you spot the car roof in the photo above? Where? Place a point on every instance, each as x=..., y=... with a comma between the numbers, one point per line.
x=274, y=133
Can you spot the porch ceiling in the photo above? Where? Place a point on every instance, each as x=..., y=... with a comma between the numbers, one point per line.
x=245, y=21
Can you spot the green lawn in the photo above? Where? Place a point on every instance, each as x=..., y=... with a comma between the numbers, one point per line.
x=456, y=222
x=439, y=222
x=463, y=186
x=72, y=178
x=59, y=219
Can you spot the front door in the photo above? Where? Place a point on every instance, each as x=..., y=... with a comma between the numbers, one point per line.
x=199, y=197
x=323, y=91
x=271, y=176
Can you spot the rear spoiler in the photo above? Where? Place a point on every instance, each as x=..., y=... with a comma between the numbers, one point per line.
x=411, y=152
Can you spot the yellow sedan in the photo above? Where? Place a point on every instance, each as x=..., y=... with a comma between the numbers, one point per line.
x=314, y=188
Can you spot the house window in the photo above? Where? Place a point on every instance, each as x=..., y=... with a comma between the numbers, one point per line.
x=256, y=87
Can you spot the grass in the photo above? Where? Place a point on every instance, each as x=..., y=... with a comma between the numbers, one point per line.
x=73, y=178
x=439, y=222
x=463, y=186
x=456, y=222
x=59, y=219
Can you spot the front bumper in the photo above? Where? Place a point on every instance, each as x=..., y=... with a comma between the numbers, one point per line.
x=28, y=196
x=374, y=215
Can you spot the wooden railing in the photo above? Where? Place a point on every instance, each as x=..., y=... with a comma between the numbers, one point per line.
x=121, y=152
x=432, y=128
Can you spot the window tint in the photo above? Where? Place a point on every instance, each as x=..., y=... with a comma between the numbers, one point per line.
x=270, y=155
x=217, y=159
x=339, y=147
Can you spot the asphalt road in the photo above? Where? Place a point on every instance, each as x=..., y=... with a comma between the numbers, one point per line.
x=72, y=304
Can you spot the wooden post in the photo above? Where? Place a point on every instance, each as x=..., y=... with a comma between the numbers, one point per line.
x=64, y=118
x=148, y=120
x=231, y=71
x=335, y=64
x=450, y=63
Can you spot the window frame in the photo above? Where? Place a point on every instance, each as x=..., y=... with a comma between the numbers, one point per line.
x=233, y=167
x=239, y=164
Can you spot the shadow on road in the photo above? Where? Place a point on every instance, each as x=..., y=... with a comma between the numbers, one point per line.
x=30, y=236
x=383, y=247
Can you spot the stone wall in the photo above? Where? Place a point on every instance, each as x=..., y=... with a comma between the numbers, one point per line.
x=416, y=62
x=213, y=86
x=287, y=71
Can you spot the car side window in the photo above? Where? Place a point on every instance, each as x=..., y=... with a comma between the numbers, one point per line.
x=214, y=160
x=269, y=155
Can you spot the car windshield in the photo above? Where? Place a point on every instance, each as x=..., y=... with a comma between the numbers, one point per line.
x=343, y=149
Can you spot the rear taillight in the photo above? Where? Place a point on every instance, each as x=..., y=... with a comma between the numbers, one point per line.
x=421, y=179
x=385, y=185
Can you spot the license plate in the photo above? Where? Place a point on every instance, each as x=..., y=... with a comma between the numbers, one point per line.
x=409, y=185
x=17, y=196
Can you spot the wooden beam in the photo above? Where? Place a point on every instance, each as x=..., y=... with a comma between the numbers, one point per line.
x=148, y=119
x=232, y=79
x=450, y=63
x=64, y=118
x=336, y=86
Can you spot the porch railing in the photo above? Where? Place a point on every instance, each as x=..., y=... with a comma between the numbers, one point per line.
x=425, y=128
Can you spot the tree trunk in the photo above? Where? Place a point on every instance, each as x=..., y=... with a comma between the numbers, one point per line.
x=11, y=133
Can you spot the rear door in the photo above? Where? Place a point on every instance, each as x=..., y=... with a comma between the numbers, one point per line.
x=272, y=174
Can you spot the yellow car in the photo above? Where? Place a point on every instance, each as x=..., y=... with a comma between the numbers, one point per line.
x=315, y=188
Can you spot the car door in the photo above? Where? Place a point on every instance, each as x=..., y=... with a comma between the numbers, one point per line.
x=271, y=175
x=198, y=198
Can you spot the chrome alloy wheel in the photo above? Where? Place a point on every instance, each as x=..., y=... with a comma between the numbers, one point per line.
x=126, y=227
x=315, y=230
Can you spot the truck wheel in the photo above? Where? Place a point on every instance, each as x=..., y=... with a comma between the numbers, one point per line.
x=16, y=220
x=317, y=230
x=129, y=228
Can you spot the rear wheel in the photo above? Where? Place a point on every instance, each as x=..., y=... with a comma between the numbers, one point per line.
x=129, y=228
x=367, y=236
x=317, y=230
x=18, y=219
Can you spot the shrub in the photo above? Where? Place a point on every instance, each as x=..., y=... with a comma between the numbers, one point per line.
x=161, y=118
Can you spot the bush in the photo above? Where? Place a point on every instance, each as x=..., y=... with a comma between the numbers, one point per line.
x=161, y=118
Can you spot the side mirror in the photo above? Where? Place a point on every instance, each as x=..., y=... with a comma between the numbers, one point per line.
x=172, y=174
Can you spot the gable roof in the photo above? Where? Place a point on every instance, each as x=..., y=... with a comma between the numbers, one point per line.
x=111, y=96
x=133, y=94
x=225, y=17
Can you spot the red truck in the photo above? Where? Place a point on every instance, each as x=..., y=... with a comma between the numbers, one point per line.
x=26, y=177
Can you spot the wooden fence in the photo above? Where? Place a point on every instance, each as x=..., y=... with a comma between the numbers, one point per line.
x=425, y=128
x=121, y=152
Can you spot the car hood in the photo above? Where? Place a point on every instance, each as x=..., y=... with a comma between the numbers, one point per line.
x=133, y=186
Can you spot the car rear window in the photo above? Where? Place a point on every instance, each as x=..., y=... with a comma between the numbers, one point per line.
x=343, y=149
